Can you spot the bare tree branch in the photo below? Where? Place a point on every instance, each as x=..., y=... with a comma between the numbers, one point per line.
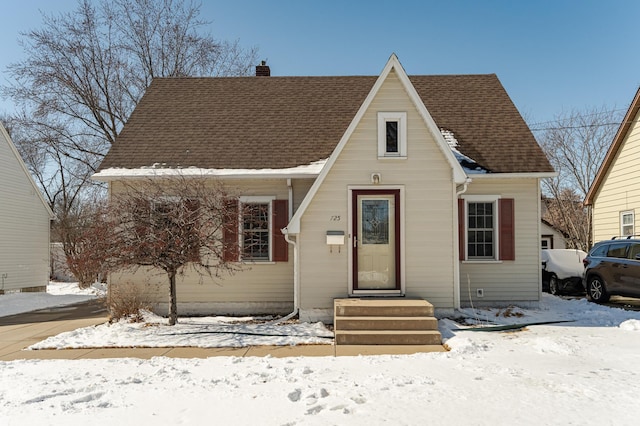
x=575, y=145
x=83, y=74
x=171, y=224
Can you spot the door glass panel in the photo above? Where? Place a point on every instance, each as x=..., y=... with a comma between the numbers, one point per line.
x=375, y=221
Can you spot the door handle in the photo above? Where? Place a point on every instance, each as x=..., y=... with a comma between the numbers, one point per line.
x=355, y=242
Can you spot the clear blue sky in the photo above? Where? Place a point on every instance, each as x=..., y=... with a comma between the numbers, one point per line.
x=551, y=56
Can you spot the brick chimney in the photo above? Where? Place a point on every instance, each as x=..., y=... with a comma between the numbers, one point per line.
x=263, y=70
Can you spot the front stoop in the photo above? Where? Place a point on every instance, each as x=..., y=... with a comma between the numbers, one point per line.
x=385, y=321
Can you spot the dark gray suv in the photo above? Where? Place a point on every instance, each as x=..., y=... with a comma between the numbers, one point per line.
x=612, y=267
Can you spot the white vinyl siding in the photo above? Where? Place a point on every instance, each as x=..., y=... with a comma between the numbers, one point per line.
x=620, y=189
x=428, y=209
x=508, y=281
x=24, y=226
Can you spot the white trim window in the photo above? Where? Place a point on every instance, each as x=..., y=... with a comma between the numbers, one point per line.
x=627, y=222
x=482, y=240
x=392, y=135
x=255, y=228
x=486, y=228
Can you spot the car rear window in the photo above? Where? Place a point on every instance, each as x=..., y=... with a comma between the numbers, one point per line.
x=634, y=251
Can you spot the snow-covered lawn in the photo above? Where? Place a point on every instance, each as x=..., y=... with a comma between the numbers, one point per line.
x=207, y=332
x=580, y=372
x=57, y=294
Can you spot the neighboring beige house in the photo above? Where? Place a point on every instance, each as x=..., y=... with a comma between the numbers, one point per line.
x=614, y=195
x=24, y=225
x=416, y=186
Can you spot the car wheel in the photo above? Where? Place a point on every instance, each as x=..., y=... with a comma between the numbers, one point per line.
x=553, y=285
x=596, y=290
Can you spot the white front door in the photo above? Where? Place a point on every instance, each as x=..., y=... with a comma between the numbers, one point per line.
x=375, y=253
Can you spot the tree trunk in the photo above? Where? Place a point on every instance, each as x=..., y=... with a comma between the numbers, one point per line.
x=173, y=304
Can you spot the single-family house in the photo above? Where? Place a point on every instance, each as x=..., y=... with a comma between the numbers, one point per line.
x=24, y=224
x=614, y=195
x=396, y=186
x=551, y=237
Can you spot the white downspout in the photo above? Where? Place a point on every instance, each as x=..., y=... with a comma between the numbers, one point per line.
x=296, y=282
x=456, y=271
x=290, y=187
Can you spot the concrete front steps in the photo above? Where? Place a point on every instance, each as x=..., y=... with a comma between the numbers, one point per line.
x=385, y=321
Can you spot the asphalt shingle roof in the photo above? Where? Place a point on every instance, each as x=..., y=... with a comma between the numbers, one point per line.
x=282, y=122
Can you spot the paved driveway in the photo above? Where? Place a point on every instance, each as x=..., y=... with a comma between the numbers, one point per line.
x=22, y=330
x=92, y=309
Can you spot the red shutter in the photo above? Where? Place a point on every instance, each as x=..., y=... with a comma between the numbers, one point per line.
x=506, y=211
x=230, y=232
x=461, y=228
x=280, y=220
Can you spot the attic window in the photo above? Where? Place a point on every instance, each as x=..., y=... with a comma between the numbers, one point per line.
x=392, y=135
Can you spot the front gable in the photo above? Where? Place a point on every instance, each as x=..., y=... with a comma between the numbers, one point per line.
x=391, y=98
x=419, y=180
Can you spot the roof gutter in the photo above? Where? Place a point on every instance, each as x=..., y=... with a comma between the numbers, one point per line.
x=536, y=175
x=106, y=177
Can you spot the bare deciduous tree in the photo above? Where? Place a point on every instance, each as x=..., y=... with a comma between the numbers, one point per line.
x=86, y=235
x=575, y=144
x=85, y=71
x=174, y=225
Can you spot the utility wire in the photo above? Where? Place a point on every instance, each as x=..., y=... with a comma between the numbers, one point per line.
x=582, y=115
x=585, y=126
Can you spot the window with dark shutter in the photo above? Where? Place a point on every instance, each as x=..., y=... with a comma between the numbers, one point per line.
x=280, y=220
x=478, y=232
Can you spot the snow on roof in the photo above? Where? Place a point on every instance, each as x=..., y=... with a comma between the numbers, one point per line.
x=309, y=170
x=158, y=169
x=469, y=165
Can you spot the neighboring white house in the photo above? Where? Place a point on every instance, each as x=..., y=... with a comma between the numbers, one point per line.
x=24, y=225
x=614, y=195
x=550, y=237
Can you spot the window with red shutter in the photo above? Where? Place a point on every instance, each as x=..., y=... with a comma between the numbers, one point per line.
x=486, y=224
x=257, y=236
